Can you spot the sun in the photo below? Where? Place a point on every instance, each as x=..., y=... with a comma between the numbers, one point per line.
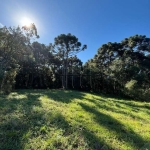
x=26, y=22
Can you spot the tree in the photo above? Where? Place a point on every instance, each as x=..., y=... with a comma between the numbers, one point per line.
x=14, y=46
x=118, y=64
x=37, y=70
x=64, y=47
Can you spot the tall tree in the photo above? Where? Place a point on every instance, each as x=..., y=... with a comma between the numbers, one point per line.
x=121, y=65
x=64, y=47
x=14, y=45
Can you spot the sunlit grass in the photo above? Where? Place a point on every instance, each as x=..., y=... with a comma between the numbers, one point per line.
x=70, y=120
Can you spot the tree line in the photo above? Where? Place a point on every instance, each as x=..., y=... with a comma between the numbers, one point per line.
x=117, y=68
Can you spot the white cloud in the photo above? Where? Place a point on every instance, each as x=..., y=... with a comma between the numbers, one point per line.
x=1, y=25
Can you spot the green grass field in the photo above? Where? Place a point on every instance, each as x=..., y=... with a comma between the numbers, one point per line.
x=71, y=120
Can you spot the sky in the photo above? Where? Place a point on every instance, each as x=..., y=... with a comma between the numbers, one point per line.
x=93, y=22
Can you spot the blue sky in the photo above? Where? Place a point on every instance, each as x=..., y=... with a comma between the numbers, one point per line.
x=94, y=22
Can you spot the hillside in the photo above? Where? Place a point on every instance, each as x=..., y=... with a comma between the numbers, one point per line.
x=71, y=120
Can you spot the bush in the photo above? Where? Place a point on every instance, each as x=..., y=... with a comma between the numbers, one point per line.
x=135, y=91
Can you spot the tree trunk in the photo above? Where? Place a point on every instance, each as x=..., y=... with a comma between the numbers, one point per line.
x=66, y=86
x=63, y=72
x=72, y=79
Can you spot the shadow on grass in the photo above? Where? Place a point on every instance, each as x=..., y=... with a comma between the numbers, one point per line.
x=121, y=105
x=135, y=106
x=75, y=134
x=64, y=96
x=17, y=117
x=95, y=143
x=144, y=107
x=127, y=135
x=56, y=95
x=23, y=111
x=119, y=109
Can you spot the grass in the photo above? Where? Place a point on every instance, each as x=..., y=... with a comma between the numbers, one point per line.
x=71, y=120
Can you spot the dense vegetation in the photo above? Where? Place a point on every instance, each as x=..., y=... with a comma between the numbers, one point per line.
x=117, y=68
x=123, y=68
x=70, y=120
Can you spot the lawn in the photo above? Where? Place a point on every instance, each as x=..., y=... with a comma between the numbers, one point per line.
x=71, y=120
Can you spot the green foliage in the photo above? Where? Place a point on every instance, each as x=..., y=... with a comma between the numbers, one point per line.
x=131, y=85
x=118, y=65
x=132, y=89
x=135, y=91
x=8, y=81
x=15, y=50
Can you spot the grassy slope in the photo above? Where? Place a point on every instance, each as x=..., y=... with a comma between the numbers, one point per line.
x=67, y=120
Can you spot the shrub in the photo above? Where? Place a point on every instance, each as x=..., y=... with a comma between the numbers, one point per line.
x=135, y=91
